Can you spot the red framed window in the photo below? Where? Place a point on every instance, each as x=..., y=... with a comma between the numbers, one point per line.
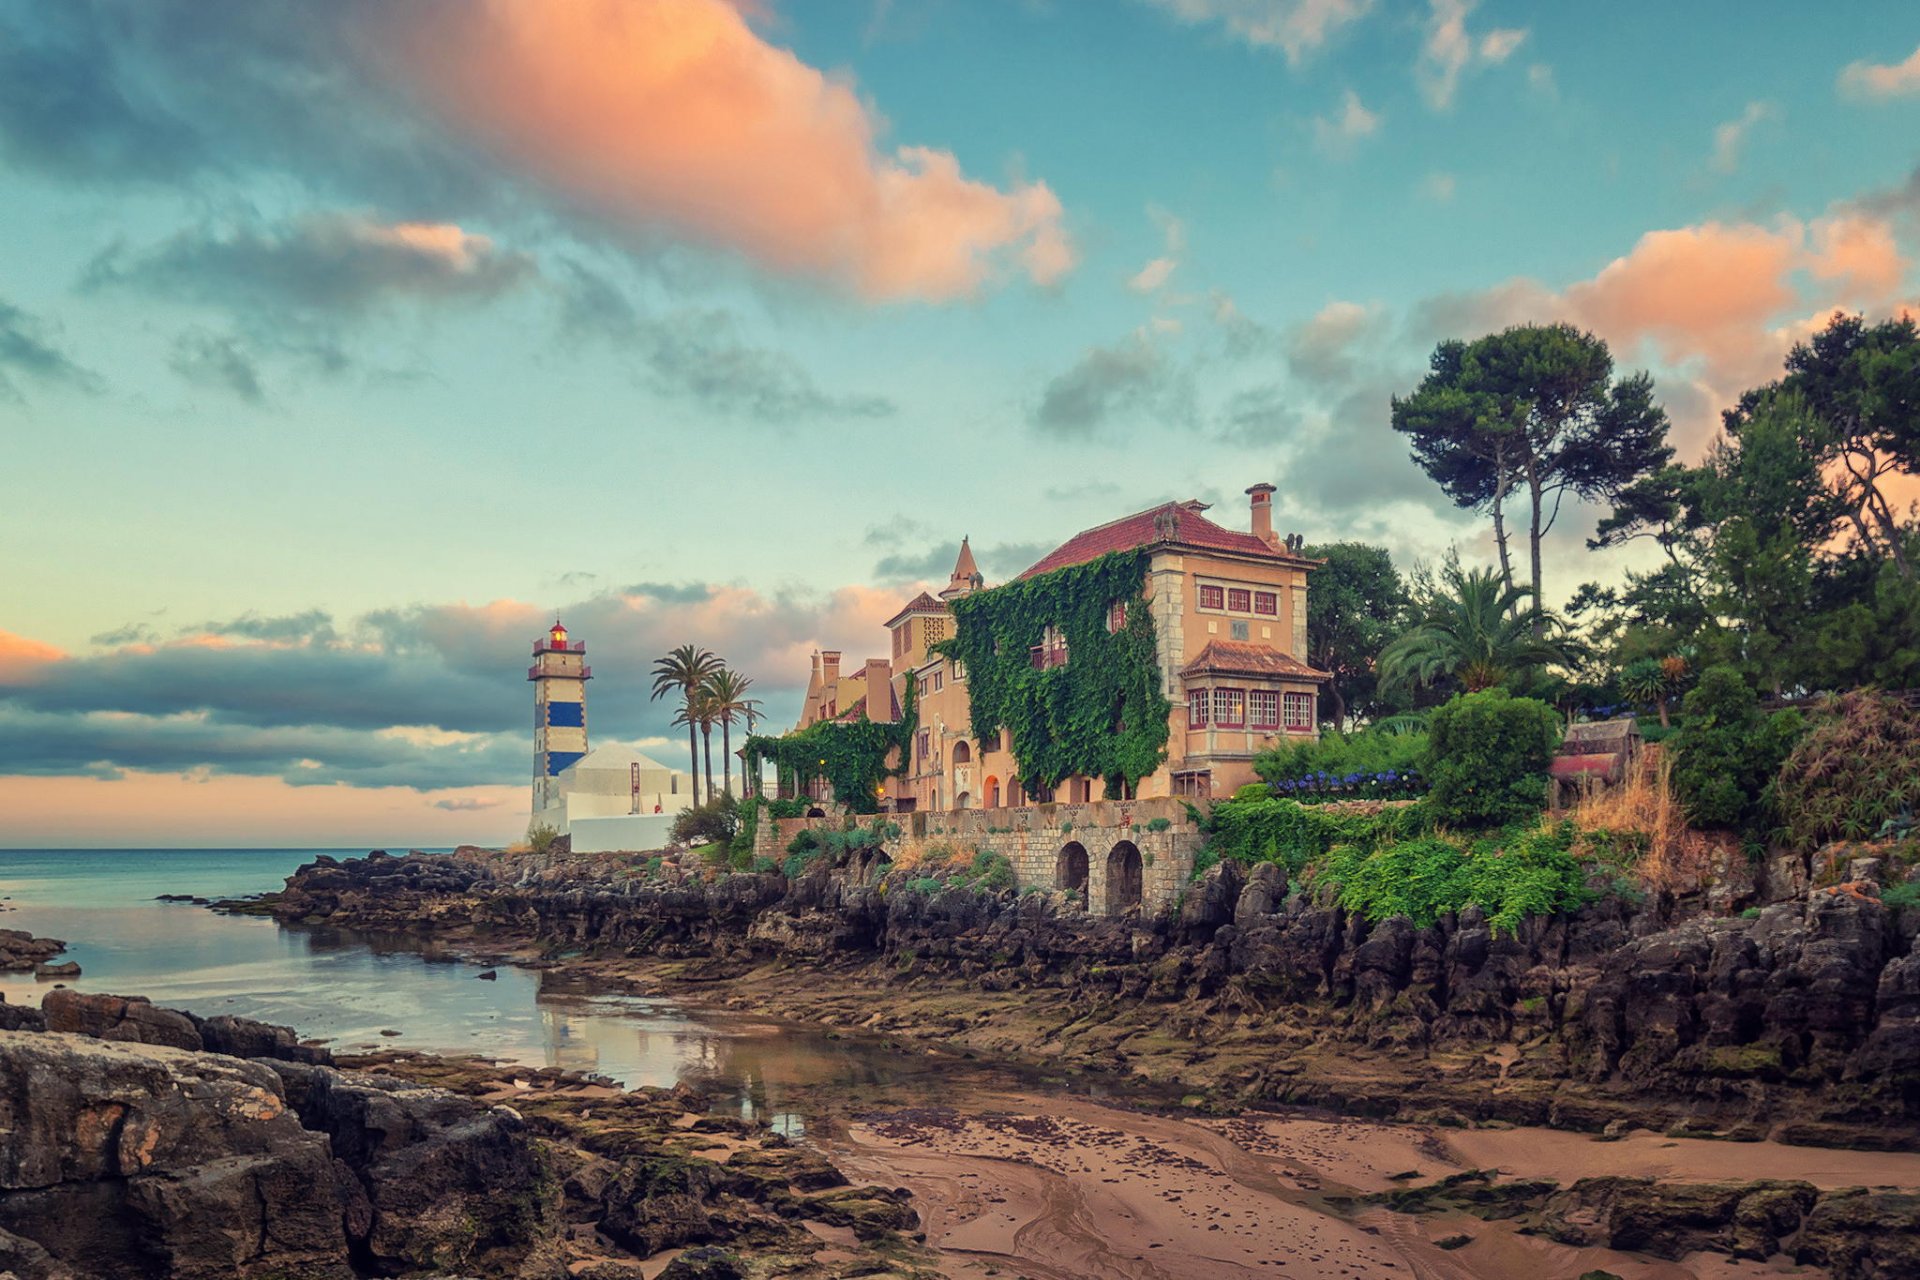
x=1116, y=615
x=1230, y=708
x=1263, y=709
x=1299, y=708
x=1212, y=597
x=1240, y=600
x=1197, y=708
x=1266, y=604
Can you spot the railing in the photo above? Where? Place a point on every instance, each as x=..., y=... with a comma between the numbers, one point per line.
x=585, y=673
x=1043, y=657
x=559, y=646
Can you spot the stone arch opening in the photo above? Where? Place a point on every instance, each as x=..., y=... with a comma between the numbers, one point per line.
x=1126, y=878
x=962, y=753
x=964, y=800
x=816, y=812
x=1070, y=868
x=993, y=793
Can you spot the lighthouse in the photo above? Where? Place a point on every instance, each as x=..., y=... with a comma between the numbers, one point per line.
x=559, y=674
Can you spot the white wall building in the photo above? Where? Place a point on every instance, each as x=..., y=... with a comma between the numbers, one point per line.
x=616, y=798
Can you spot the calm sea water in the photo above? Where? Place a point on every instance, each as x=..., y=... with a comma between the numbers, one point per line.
x=350, y=989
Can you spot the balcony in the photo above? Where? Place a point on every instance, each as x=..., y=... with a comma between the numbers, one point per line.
x=585, y=673
x=1044, y=657
x=564, y=646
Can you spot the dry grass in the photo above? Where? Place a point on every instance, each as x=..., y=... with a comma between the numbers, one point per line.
x=1643, y=810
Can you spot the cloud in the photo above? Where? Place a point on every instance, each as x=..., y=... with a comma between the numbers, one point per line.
x=1108, y=383
x=1322, y=351
x=1730, y=136
x=27, y=350
x=1449, y=50
x=466, y=804
x=1438, y=187
x=1336, y=134
x=679, y=118
x=318, y=267
x=210, y=360
x=1173, y=235
x=998, y=561
x=426, y=696
x=1296, y=27
x=1872, y=81
x=698, y=354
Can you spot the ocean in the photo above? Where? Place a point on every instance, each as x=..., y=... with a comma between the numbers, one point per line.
x=359, y=992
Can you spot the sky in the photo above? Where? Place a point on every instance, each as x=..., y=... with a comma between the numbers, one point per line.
x=343, y=346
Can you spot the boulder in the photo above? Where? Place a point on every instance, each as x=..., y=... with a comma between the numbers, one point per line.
x=133, y=1161
x=123, y=1018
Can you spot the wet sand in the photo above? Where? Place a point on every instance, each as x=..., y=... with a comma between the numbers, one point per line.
x=1054, y=1188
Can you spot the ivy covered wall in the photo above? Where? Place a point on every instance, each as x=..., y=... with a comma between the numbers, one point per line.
x=1101, y=713
x=853, y=756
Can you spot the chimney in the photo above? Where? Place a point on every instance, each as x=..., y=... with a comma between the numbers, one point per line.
x=829, y=665
x=879, y=690
x=1261, y=496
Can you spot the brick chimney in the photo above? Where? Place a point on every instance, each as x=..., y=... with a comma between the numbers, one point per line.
x=829, y=665
x=1261, y=499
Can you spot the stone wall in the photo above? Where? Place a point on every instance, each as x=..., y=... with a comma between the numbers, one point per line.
x=1152, y=840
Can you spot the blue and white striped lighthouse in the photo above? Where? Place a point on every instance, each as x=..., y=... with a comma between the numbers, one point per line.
x=559, y=674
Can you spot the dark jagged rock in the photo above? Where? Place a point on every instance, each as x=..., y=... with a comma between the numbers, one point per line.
x=136, y=1019
x=130, y=1161
x=21, y=952
x=1804, y=1020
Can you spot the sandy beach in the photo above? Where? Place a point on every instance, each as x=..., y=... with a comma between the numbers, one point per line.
x=1055, y=1188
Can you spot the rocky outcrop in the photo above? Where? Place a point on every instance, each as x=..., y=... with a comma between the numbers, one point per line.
x=1854, y=1233
x=130, y=1153
x=139, y=1160
x=134, y=1019
x=1803, y=1020
x=21, y=952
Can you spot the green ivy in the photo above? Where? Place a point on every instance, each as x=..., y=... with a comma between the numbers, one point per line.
x=851, y=755
x=1266, y=829
x=1102, y=714
x=1511, y=875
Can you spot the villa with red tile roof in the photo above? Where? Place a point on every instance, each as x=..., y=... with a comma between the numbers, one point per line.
x=1229, y=611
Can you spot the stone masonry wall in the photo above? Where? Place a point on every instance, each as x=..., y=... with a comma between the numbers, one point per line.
x=1037, y=841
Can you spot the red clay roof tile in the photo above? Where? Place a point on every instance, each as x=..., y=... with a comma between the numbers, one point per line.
x=1233, y=657
x=1176, y=523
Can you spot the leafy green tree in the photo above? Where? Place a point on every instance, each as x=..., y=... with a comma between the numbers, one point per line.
x=1727, y=750
x=1650, y=680
x=684, y=671
x=1475, y=629
x=1860, y=385
x=1356, y=604
x=1533, y=409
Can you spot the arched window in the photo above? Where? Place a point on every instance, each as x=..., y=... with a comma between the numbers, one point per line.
x=962, y=753
x=993, y=793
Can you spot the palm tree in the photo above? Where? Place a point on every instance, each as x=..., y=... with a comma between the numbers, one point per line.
x=1477, y=629
x=1654, y=680
x=685, y=670
x=728, y=690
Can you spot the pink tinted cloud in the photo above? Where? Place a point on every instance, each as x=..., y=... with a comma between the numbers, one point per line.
x=21, y=657
x=676, y=116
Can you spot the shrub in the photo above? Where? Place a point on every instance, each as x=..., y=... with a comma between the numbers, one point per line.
x=710, y=823
x=1903, y=895
x=1511, y=876
x=1726, y=751
x=1487, y=758
x=1855, y=775
x=1376, y=763
x=541, y=837
x=1274, y=830
x=991, y=872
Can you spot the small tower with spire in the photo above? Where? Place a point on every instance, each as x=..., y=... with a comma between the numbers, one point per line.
x=966, y=577
x=559, y=674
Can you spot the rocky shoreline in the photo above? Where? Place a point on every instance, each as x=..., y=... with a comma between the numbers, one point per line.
x=21, y=952
x=1798, y=1020
x=150, y=1143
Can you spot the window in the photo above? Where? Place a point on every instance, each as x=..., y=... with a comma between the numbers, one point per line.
x=1116, y=616
x=1300, y=710
x=1051, y=651
x=936, y=680
x=1212, y=597
x=1239, y=629
x=1240, y=600
x=1263, y=709
x=1197, y=708
x=1266, y=604
x=1230, y=708
x=959, y=669
x=921, y=744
